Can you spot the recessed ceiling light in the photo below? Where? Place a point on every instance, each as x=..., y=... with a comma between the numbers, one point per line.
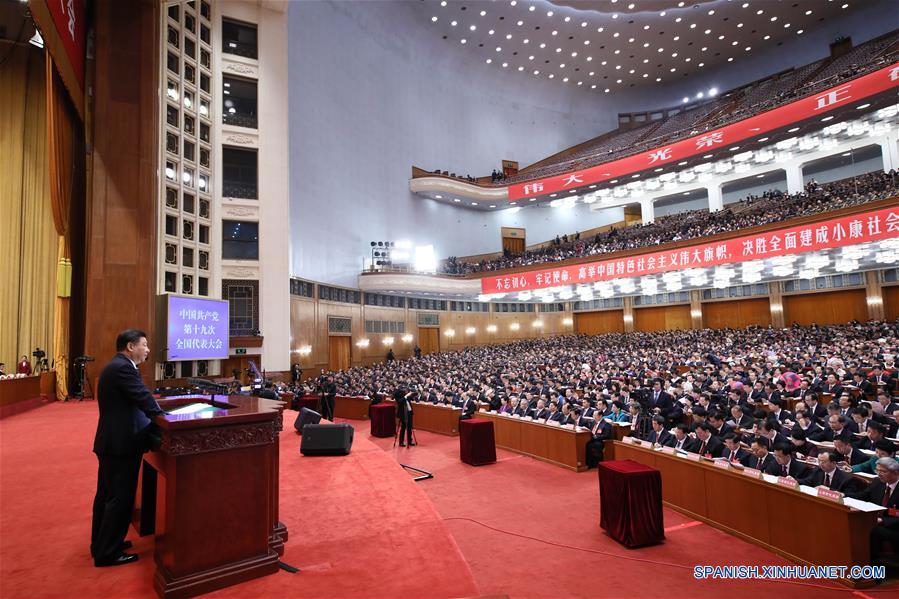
x=767, y=37
x=434, y=19
x=808, y=12
x=618, y=81
x=489, y=60
x=551, y=75
x=707, y=156
x=748, y=48
x=508, y=36
x=658, y=79
x=542, y=45
x=499, y=49
x=799, y=32
x=845, y=6
x=686, y=99
x=532, y=8
x=735, y=148
x=483, y=13
x=536, y=72
x=525, y=41
x=663, y=13
x=530, y=57
x=573, y=54
x=567, y=19
x=827, y=118
x=462, y=41
x=593, y=86
x=760, y=176
x=616, y=34
x=708, y=31
x=491, y=32
x=583, y=23
x=678, y=20
x=454, y=23
x=774, y=18
x=746, y=5
x=586, y=42
x=606, y=90
x=711, y=12
x=520, y=68
x=443, y=3
x=793, y=130
x=555, y=32
x=456, y=200
x=600, y=30
x=761, y=139
x=760, y=12
x=701, y=64
x=439, y=197
x=615, y=15
x=565, y=80
x=731, y=59
x=505, y=64
x=474, y=203
x=473, y=27
x=862, y=107
x=549, y=13
x=786, y=25
x=739, y=25
x=520, y=23
x=692, y=25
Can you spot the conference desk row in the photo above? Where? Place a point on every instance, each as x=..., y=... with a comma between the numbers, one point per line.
x=794, y=523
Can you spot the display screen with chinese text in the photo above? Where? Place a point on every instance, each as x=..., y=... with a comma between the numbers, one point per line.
x=197, y=329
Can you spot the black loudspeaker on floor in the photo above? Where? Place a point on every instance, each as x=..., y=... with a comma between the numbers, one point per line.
x=326, y=439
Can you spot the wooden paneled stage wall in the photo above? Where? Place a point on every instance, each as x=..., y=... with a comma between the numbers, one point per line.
x=597, y=323
x=832, y=307
x=891, y=302
x=737, y=313
x=662, y=318
x=309, y=322
x=121, y=227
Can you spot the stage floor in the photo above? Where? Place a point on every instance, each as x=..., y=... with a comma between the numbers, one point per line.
x=359, y=525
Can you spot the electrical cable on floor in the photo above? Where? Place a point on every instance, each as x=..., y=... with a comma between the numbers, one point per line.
x=658, y=563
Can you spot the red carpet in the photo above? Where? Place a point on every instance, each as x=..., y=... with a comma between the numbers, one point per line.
x=492, y=510
x=356, y=523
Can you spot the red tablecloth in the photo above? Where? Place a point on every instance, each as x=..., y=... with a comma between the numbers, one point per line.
x=477, y=445
x=630, y=502
x=383, y=420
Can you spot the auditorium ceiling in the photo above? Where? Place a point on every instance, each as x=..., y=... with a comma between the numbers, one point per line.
x=609, y=45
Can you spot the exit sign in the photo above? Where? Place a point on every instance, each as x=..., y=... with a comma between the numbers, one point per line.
x=240, y=351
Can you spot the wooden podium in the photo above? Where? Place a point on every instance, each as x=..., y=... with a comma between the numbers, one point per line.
x=210, y=494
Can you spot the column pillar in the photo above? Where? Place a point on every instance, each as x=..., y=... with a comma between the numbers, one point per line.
x=794, y=177
x=775, y=302
x=874, y=295
x=647, y=210
x=890, y=151
x=716, y=198
x=696, y=309
x=628, y=304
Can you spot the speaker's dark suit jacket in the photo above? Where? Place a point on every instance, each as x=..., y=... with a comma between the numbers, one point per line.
x=126, y=407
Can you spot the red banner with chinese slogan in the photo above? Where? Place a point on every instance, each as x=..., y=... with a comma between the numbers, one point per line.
x=795, y=112
x=848, y=230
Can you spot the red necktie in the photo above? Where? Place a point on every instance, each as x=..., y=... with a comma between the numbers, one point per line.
x=702, y=448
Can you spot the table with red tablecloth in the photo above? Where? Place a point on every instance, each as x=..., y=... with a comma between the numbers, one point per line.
x=383, y=420
x=630, y=502
x=477, y=444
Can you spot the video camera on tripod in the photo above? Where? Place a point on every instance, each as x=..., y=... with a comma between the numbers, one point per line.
x=83, y=388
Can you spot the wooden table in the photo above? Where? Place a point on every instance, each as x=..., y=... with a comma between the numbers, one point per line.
x=436, y=418
x=352, y=408
x=554, y=444
x=19, y=389
x=798, y=526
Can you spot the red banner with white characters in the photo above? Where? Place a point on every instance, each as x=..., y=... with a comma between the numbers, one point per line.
x=848, y=230
x=812, y=106
x=70, y=18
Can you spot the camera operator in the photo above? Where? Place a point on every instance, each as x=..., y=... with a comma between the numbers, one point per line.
x=328, y=390
x=296, y=373
x=403, y=399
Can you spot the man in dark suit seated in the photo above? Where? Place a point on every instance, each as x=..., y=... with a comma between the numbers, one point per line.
x=843, y=446
x=733, y=452
x=812, y=431
x=554, y=414
x=717, y=420
x=874, y=432
x=660, y=402
x=705, y=443
x=829, y=475
x=884, y=491
x=739, y=419
x=778, y=413
x=785, y=465
x=124, y=432
x=540, y=412
x=761, y=459
x=680, y=440
x=659, y=436
x=601, y=432
x=469, y=406
x=801, y=447
x=817, y=411
x=838, y=426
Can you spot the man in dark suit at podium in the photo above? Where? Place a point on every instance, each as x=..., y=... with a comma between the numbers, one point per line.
x=124, y=432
